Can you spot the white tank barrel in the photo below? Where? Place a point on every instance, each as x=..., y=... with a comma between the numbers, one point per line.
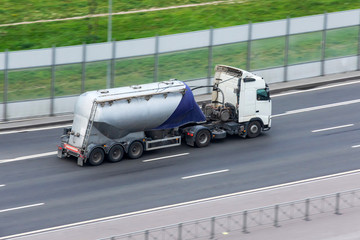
x=120, y=111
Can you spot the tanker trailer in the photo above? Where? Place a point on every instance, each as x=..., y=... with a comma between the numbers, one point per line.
x=129, y=120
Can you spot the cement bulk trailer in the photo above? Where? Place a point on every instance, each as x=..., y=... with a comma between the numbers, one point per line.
x=128, y=120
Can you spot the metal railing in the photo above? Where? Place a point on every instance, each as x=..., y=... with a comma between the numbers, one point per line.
x=249, y=219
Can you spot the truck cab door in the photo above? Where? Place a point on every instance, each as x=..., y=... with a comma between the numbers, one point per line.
x=247, y=105
x=263, y=105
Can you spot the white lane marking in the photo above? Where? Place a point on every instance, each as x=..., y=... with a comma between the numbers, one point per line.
x=22, y=207
x=356, y=146
x=165, y=157
x=178, y=205
x=2, y=185
x=28, y=157
x=33, y=129
x=315, y=89
x=317, y=108
x=332, y=128
x=205, y=174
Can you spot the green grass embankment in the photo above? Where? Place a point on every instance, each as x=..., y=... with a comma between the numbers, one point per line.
x=139, y=25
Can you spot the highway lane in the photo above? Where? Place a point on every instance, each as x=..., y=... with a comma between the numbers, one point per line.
x=44, y=141
x=315, y=97
x=28, y=143
x=289, y=152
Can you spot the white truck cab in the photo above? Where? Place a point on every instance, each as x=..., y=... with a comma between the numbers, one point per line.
x=246, y=91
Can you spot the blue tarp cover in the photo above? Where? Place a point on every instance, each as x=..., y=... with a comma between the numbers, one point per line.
x=187, y=112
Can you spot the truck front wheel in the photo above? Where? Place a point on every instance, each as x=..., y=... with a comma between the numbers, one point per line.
x=116, y=153
x=96, y=157
x=254, y=129
x=202, y=138
x=136, y=150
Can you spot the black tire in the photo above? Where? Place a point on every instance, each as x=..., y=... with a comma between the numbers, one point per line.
x=96, y=157
x=254, y=129
x=116, y=153
x=202, y=138
x=136, y=150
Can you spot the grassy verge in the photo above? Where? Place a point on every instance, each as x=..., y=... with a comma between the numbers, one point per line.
x=31, y=10
x=162, y=22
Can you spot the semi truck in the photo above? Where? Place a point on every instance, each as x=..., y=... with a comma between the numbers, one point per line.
x=126, y=121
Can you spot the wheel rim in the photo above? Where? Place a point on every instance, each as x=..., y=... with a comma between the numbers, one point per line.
x=96, y=157
x=203, y=138
x=116, y=154
x=254, y=128
x=135, y=150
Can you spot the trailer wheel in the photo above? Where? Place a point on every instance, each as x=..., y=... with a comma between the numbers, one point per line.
x=136, y=150
x=254, y=129
x=116, y=153
x=96, y=156
x=202, y=138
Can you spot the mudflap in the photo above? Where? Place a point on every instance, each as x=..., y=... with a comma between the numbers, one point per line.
x=265, y=128
x=60, y=153
x=190, y=134
x=190, y=140
x=80, y=161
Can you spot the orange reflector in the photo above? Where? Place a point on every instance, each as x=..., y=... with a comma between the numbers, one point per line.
x=71, y=148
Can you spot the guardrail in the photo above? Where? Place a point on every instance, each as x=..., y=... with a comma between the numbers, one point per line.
x=246, y=220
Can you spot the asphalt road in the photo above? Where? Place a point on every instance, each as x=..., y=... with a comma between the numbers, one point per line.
x=46, y=191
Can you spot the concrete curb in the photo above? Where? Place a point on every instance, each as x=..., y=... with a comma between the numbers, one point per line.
x=275, y=88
